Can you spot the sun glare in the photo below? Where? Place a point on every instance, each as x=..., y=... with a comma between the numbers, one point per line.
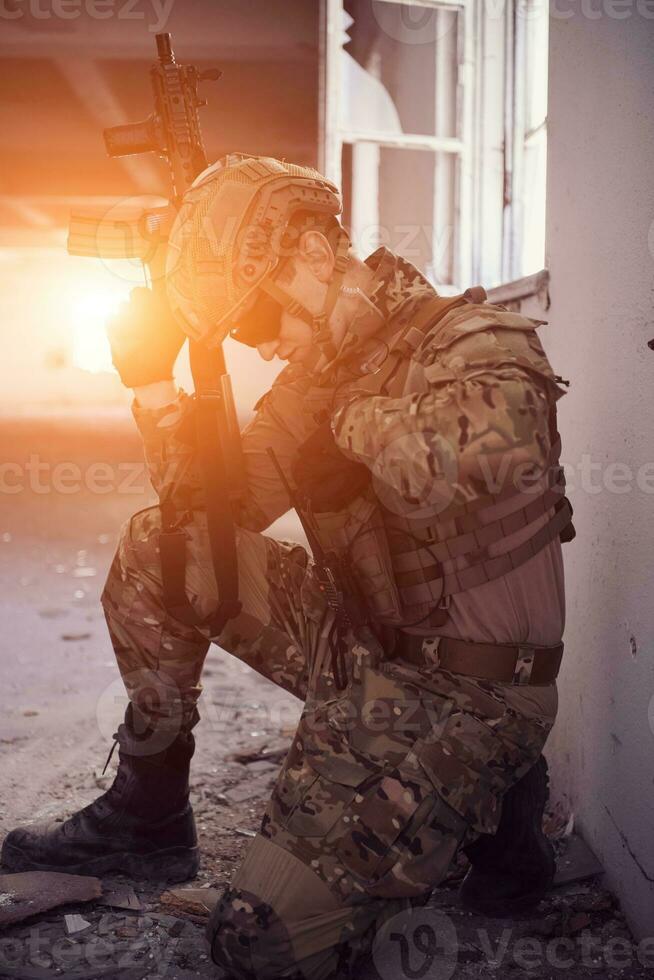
x=90, y=310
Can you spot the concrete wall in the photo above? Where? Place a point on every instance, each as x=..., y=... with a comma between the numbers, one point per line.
x=601, y=257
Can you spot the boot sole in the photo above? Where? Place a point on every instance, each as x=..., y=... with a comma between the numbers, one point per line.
x=172, y=865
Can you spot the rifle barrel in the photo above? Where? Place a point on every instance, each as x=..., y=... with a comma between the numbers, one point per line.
x=165, y=49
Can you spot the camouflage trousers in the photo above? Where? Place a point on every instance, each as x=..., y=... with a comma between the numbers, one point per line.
x=384, y=779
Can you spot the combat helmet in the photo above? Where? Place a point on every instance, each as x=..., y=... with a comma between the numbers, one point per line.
x=235, y=229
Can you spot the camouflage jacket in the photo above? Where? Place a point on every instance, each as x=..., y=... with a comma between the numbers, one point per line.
x=438, y=414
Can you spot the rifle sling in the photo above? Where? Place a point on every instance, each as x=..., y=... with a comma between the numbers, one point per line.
x=207, y=368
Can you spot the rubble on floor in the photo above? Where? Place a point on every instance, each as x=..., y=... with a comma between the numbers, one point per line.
x=140, y=931
x=29, y=893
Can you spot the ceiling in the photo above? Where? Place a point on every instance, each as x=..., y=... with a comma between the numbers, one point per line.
x=63, y=80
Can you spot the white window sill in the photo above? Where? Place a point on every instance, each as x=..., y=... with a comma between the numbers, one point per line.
x=514, y=293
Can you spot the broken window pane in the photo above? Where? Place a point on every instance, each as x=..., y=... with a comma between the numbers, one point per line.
x=399, y=69
x=403, y=199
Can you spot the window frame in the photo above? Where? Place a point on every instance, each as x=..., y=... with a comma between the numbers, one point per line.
x=489, y=145
x=333, y=137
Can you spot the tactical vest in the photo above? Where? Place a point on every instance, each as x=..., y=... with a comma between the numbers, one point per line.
x=408, y=565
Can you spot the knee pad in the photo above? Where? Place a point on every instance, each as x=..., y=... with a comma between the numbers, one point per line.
x=248, y=939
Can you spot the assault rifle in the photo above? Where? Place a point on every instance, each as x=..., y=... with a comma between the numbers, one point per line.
x=173, y=132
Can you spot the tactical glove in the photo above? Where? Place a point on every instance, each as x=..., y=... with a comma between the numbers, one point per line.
x=145, y=340
x=324, y=476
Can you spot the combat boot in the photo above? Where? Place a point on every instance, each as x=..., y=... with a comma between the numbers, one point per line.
x=142, y=826
x=513, y=869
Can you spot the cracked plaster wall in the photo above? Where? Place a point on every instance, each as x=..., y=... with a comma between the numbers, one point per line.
x=601, y=259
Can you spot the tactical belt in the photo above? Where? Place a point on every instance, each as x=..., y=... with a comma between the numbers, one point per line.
x=506, y=663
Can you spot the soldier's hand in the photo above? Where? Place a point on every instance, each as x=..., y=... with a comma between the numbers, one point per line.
x=324, y=476
x=145, y=340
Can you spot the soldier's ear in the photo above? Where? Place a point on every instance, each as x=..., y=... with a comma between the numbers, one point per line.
x=316, y=253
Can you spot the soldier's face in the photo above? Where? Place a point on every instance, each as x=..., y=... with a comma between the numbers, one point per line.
x=293, y=343
x=305, y=278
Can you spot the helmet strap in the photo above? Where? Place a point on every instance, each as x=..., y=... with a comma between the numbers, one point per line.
x=292, y=306
x=319, y=323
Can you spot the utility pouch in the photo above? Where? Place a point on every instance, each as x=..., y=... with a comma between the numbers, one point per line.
x=358, y=536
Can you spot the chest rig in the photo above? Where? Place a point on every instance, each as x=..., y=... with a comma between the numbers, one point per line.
x=408, y=564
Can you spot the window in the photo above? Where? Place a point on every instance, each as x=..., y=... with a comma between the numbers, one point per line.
x=526, y=251
x=434, y=125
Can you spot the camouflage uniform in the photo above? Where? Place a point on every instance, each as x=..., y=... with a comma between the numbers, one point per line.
x=385, y=779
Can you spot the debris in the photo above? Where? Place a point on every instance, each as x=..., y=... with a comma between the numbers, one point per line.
x=167, y=921
x=121, y=897
x=244, y=833
x=556, y=821
x=6, y=537
x=213, y=797
x=38, y=891
x=594, y=903
x=75, y=923
x=545, y=927
x=30, y=713
x=75, y=637
x=613, y=929
x=265, y=766
x=194, y=903
x=578, y=922
x=576, y=863
x=177, y=929
x=103, y=779
x=240, y=793
x=108, y=923
x=262, y=754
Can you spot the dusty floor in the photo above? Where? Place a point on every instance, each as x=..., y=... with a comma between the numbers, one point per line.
x=60, y=698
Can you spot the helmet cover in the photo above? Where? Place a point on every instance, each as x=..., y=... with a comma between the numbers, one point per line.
x=231, y=232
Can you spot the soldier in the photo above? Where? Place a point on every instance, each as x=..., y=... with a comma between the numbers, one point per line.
x=420, y=433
